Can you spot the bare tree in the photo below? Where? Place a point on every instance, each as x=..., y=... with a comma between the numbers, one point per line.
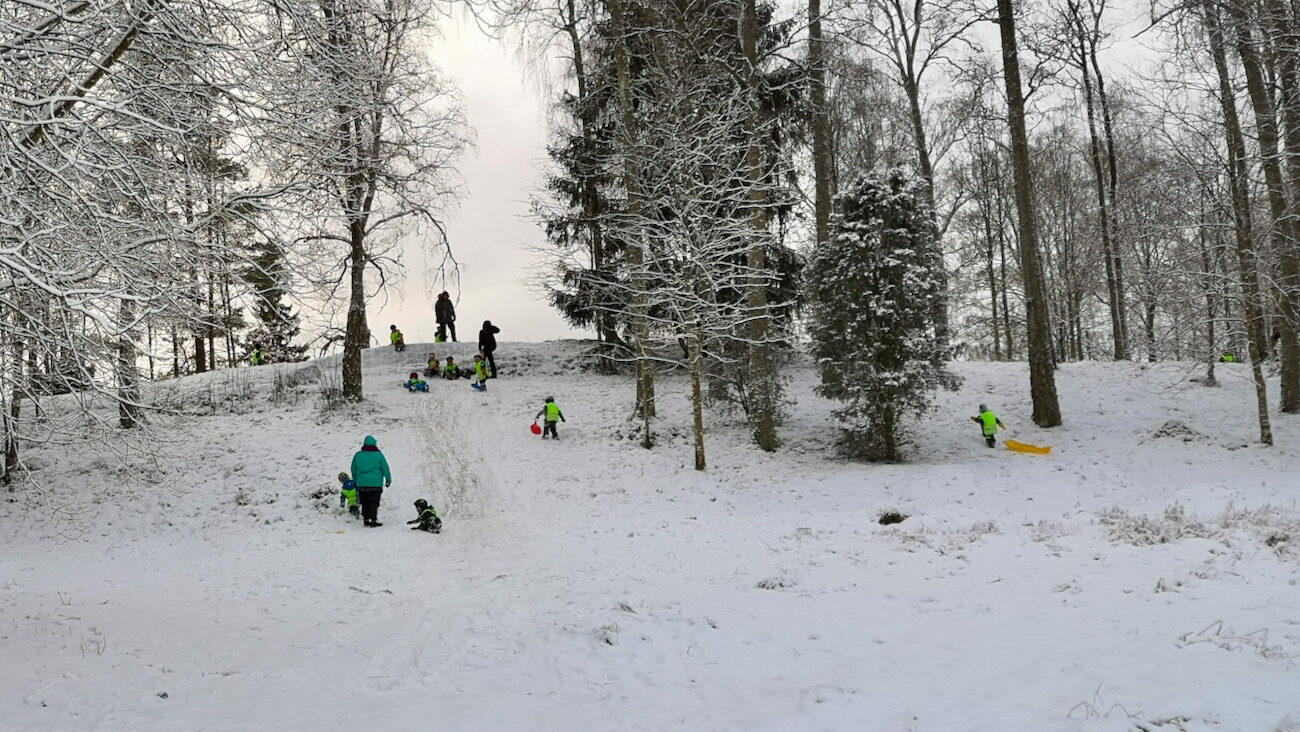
x=1042, y=379
x=370, y=131
x=1239, y=187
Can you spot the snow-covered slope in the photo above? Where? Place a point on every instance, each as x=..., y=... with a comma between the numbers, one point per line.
x=1143, y=573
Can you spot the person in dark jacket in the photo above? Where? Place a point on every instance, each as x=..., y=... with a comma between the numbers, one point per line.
x=371, y=474
x=487, y=344
x=445, y=315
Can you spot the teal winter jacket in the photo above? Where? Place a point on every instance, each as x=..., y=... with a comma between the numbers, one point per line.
x=369, y=468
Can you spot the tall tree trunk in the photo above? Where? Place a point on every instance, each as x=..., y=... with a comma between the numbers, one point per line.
x=1210, y=308
x=13, y=410
x=176, y=353
x=1239, y=186
x=128, y=381
x=697, y=396
x=821, y=127
x=591, y=208
x=986, y=214
x=1281, y=21
x=1112, y=167
x=1283, y=232
x=1042, y=379
x=645, y=384
x=356, y=337
x=1114, y=296
x=760, y=386
x=926, y=168
x=209, y=324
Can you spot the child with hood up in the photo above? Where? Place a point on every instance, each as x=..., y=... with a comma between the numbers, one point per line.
x=989, y=424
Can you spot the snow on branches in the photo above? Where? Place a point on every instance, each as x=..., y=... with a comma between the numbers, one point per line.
x=872, y=288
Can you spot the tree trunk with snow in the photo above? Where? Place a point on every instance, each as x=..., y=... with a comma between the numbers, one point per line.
x=1042, y=379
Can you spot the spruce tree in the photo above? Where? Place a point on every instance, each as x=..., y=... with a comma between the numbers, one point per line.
x=277, y=323
x=872, y=288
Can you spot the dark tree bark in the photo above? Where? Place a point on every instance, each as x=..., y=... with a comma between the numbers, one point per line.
x=645, y=384
x=1084, y=53
x=1042, y=379
x=591, y=202
x=1240, y=194
x=821, y=135
x=357, y=335
x=1283, y=233
x=759, y=380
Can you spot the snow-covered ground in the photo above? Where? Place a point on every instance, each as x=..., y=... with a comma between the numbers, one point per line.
x=1142, y=576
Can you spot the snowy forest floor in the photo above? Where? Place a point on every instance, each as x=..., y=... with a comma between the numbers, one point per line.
x=1145, y=575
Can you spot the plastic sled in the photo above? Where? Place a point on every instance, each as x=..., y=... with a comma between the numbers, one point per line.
x=1023, y=447
x=536, y=428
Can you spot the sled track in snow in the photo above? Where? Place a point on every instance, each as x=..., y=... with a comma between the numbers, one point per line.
x=448, y=457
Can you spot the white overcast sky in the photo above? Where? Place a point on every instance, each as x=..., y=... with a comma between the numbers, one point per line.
x=492, y=236
x=491, y=233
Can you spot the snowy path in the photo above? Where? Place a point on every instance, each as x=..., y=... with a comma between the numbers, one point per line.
x=589, y=584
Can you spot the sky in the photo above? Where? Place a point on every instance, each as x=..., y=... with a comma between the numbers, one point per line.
x=491, y=234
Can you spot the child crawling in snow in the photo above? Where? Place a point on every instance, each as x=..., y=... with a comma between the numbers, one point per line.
x=426, y=517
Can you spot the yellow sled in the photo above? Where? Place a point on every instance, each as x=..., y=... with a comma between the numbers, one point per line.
x=1022, y=447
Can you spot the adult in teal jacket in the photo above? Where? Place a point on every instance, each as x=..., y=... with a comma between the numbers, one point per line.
x=370, y=471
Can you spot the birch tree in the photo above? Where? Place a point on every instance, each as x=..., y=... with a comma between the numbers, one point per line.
x=372, y=132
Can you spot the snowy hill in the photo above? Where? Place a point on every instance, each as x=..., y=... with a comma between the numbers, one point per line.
x=1146, y=574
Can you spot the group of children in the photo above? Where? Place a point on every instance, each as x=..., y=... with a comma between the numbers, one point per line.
x=450, y=372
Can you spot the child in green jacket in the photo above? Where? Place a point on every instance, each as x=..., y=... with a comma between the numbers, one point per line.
x=348, y=495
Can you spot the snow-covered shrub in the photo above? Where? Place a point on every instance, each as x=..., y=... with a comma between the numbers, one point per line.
x=1126, y=528
x=873, y=289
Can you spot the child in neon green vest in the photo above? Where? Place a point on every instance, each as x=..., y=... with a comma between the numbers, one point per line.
x=989, y=424
x=552, y=412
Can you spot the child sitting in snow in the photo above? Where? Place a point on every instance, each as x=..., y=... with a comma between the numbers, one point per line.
x=451, y=371
x=989, y=424
x=348, y=495
x=415, y=383
x=426, y=517
x=432, y=368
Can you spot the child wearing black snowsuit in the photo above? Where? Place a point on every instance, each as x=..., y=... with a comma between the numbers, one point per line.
x=426, y=517
x=433, y=367
x=552, y=412
x=989, y=424
x=395, y=335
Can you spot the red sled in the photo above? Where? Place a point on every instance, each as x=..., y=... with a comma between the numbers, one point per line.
x=536, y=428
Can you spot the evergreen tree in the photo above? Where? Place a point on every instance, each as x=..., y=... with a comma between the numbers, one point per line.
x=268, y=277
x=871, y=290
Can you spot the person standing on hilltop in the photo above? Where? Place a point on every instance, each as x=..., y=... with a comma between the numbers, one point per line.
x=444, y=312
x=487, y=344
